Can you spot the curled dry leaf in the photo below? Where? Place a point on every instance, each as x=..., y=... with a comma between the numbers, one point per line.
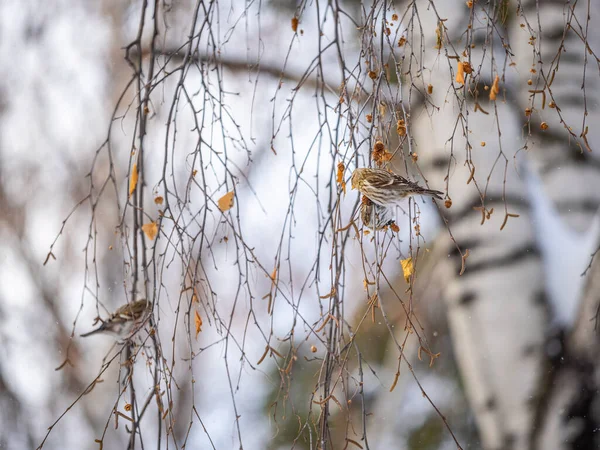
x=133, y=179
x=460, y=73
x=226, y=202
x=439, y=35
x=197, y=323
x=495, y=89
x=407, y=268
x=294, y=24
x=150, y=230
x=401, y=127
x=158, y=200
x=340, y=176
x=380, y=153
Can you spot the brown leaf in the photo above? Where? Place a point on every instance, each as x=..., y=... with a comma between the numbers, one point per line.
x=380, y=153
x=158, y=200
x=226, y=202
x=294, y=24
x=401, y=127
x=340, y=176
x=150, y=230
x=198, y=323
x=133, y=179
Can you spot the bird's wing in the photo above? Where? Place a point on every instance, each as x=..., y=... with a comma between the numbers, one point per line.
x=413, y=185
x=384, y=179
x=124, y=314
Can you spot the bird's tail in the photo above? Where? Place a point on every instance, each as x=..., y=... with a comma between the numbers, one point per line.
x=432, y=192
x=97, y=330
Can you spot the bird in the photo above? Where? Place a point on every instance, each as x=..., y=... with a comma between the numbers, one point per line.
x=375, y=216
x=125, y=321
x=386, y=188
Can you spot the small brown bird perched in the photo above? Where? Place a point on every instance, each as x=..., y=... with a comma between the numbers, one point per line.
x=125, y=321
x=385, y=188
x=381, y=190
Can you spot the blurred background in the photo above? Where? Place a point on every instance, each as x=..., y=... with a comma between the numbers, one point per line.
x=199, y=154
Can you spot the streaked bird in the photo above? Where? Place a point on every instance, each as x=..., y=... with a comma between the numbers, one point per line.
x=385, y=188
x=125, y=321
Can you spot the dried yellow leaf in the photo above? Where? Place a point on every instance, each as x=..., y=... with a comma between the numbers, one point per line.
x=133, y=179
x=158, y=200
x=294, y=24
x=197, y=323
x=460, y=74
x=407, y=268
x=226, y=202
x=150, y=230
x=439, y=33
x=495, y=89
